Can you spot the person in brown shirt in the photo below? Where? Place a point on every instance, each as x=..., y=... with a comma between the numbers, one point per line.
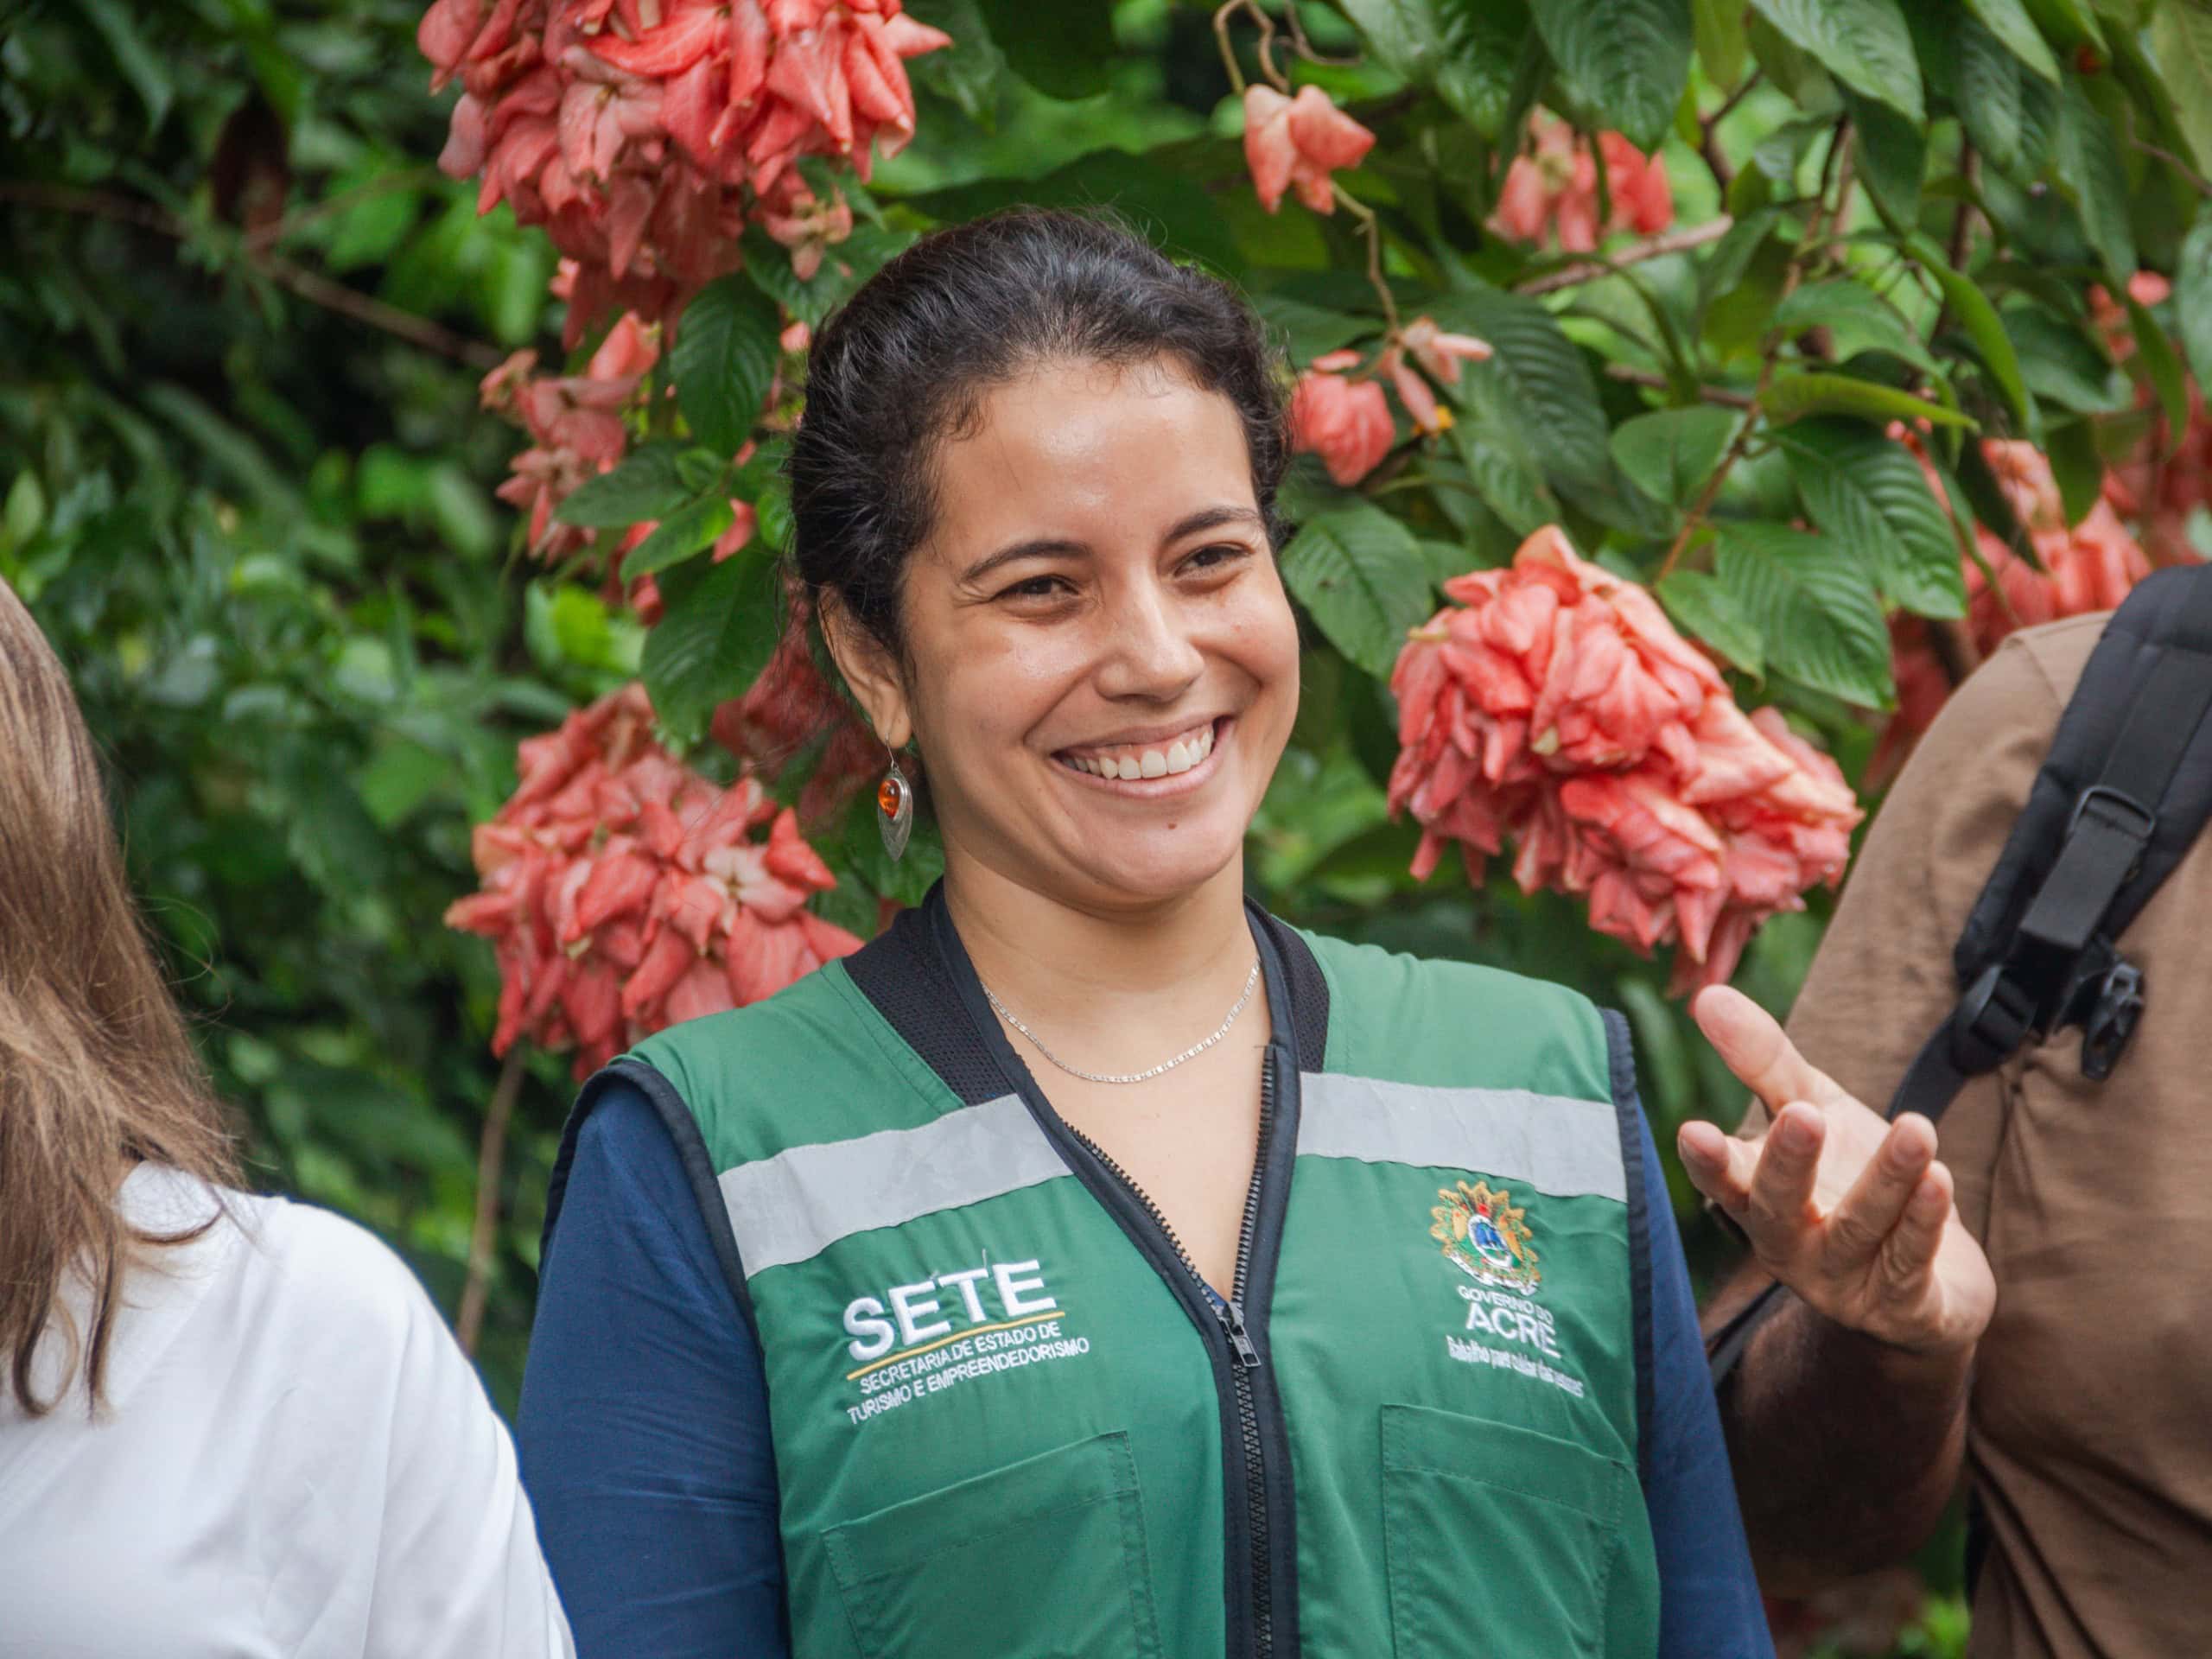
x=2083, y=1212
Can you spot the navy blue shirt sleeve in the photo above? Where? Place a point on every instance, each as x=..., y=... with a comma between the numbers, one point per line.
x=644, y=1429
x=1709, y=1605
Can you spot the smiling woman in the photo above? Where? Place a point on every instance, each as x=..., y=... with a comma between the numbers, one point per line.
x=1066, y=1270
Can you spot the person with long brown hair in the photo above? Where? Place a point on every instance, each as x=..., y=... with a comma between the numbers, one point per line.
x=229, y=1425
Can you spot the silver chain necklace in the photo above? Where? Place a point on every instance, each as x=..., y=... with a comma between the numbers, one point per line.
x=1191, y=1053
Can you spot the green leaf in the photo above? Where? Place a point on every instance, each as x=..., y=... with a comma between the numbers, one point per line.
x=1812, y=600
x=845, y=266
x=2080, y=470
x=1466, y=49
x=724, y=356
x=1628, y=59
x=646, y=485
x=1892, y=157
x=1481, y=42
x=1361, y=576
x=2009, y=113
x=1718, y=29
x=143, y=65
x=2062, y=365
x=2181, y=36
x=2089, y=168
x=26, y=508
x=971, y=70
x=1792, y=397
x=718, y=626
x=1505, y=475
x=1535, y=380
x=2156, y=360
x=1067, y=51
x=1863, y=43
x=2008, y=21
x=1670, y=452
x=691, y=529
x=1703, y=608
x=1979, y=317
x=1868, y=491
x=1309, y=331
x=2193, y=295
x=1740, y=317
x=1795, y=70
x=1858, y=318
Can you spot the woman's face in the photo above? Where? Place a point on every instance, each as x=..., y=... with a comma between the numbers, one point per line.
x=1103, y=665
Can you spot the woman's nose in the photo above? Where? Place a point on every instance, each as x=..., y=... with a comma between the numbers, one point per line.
x=1149, y=649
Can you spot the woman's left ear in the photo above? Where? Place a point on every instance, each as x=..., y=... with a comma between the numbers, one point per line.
x=871, y=673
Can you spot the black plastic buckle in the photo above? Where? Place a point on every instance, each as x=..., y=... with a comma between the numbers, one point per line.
x=1995, y=1013
x=2110, y=1021
x=2127, y=804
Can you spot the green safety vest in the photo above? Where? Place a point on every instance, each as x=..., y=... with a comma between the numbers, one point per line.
x=1008, y=1419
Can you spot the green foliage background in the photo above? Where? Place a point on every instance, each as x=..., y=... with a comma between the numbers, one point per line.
x=245, y=485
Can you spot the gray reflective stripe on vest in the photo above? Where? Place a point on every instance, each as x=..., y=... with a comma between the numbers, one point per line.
x=1567, y=1147
x=796, y=1204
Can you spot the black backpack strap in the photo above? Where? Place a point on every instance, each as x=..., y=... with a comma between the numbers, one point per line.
x=2125, y=790
x=2122, y=794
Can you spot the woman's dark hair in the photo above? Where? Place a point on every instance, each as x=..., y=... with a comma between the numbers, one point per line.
x=905, y=364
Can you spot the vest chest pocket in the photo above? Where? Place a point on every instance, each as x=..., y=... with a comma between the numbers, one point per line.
x=1044, y=1559
x=1500, y=1538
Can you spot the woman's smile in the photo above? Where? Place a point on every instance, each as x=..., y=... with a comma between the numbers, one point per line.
x=1151, y=765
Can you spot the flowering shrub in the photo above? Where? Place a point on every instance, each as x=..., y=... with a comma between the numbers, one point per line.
x=643, y=134
x=1556, y=705
x=623, y=892
x=1551, y=191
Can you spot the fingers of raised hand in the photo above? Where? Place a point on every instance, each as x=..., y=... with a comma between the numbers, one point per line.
x=1865, y=1217
x=1908, y=1253
x=1779, y=1210
x=1756, y=1049
x=1719, y=1165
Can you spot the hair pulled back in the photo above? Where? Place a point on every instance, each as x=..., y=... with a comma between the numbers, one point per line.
x=905, y=364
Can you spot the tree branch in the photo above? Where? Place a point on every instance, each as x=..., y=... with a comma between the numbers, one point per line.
x=1721, y=395
x=491, y=1160
x=1835, y=169
x=1680, y=239
x=309, y=285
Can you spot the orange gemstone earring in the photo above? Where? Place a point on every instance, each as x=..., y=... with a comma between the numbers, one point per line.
x=894, y=810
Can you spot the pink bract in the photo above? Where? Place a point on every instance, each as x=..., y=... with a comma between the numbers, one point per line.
x=1554, y=706
x=623, y=892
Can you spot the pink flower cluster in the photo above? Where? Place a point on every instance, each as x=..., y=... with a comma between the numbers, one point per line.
x=2087, y=567
x=624, y=893
x=1297, y=142
x=1344, y=418
x=2154, y=490
x=643, y=134
x=579, y=429
x=1551, y=191
x=1555, y=704
x=576, y=425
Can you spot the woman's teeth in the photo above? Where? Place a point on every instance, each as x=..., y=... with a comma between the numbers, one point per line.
x=1132, y=763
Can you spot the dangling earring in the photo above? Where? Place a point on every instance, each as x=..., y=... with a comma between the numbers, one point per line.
x=894, y=810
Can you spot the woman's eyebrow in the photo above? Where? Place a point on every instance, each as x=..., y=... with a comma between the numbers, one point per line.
x=1037, y=547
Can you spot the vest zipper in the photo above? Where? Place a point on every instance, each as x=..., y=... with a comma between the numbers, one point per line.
x=1244, y=1352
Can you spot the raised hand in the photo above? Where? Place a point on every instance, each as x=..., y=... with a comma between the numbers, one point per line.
x=1851, y=1213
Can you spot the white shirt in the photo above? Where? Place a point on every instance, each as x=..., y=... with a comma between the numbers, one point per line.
x=295, y=1460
